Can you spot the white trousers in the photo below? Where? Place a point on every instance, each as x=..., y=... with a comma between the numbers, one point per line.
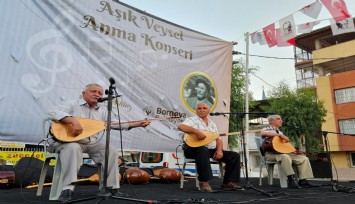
x=71, y=157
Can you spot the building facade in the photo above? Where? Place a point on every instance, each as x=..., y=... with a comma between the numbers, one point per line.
x=327, y=64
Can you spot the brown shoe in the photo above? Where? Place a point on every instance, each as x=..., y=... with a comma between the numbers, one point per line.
x=205, y=187
x=231, y=186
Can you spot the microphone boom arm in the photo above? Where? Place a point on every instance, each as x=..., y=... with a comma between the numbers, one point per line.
x=100, y=100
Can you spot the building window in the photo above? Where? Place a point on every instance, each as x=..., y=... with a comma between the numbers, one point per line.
x=352, y=157
x=347, y=126
x=345, y=95
x=299, y=74
x=257, y=160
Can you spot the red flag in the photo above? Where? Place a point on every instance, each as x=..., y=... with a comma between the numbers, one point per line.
x=292, y=41
x=337, y=9
x=270, y=35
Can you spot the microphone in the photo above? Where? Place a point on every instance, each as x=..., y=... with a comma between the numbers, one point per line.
x=100, y=100
x=112, y=80
x=215, y=114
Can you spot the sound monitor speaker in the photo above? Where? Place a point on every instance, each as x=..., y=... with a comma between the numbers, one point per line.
x=28, y=170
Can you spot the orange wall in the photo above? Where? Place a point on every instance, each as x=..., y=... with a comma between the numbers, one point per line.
x=344, y=111
x=343, y=80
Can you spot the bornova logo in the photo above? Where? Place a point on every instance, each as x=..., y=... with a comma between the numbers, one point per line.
x=169, y=113
x=149, y=110
x=161, y=112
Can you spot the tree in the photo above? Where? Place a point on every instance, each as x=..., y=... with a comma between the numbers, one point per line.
x=238, y=98
x=302, y=108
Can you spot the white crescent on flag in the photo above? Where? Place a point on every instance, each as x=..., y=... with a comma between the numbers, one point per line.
x=270, y=37
x=337, y=8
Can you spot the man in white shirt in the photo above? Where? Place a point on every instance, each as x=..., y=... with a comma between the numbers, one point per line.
x=71, y=153
x=214, y=150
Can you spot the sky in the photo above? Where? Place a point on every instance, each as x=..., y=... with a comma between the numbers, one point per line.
x=229, y=20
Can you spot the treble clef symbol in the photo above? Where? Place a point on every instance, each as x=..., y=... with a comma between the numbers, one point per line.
x=48, y=51
x=51, y=58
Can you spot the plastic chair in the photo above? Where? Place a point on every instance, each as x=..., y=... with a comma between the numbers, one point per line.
x=48, y=157
x=56, y=180
x=182, y=180
x=269, y=167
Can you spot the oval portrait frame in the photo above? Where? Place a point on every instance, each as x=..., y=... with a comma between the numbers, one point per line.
x=189, y=82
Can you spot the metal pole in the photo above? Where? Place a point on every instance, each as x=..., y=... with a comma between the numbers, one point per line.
x=247, y=97
x=247, y=81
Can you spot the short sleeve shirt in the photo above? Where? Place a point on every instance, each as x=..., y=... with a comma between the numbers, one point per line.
x=80, y=109
x=197, y=123
x=272, y=130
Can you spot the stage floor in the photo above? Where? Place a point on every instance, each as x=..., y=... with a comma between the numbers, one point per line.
x=158, y=192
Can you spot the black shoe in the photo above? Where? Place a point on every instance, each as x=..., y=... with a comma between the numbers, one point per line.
x=116, y=193
x=65, y=196
x=292, y=184
x=305, y=183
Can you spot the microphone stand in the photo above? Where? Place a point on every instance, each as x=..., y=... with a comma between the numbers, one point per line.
x=248, y=184
x=334, y=183
x=120, y=127
x=104, y=192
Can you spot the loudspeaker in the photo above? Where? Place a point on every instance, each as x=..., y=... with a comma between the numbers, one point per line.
x=321, y=169
x=28, y=170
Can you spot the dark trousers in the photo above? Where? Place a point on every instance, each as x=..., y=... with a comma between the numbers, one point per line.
x=202, y=157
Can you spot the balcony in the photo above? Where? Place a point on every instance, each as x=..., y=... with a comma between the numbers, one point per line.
x=335, y=59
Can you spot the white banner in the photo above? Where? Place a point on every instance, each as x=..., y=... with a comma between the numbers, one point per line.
x=306, y=27
x=52, y=49
x=312, y=10
x=287, y=28
x=342, y=26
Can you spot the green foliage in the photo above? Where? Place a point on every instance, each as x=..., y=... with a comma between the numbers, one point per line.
x=238, y=99
x=302, y=108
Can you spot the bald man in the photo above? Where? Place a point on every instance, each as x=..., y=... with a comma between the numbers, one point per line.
x=214, y=149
